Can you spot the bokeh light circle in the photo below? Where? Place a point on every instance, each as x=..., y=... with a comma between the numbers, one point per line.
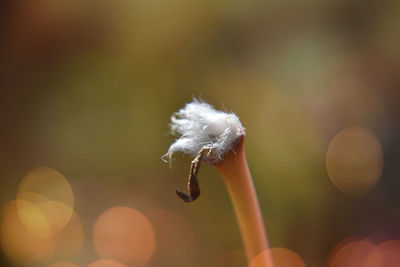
x=57, y=215
x=282, y=257
x=339, y=245
x=19, y=244
x=33, y=218
x=386, y=254
x=124, y=234
x=354, y=160
x=49, y=192
x=390, y=250
x=354, y=253
x=63, y=264
x=106, y=263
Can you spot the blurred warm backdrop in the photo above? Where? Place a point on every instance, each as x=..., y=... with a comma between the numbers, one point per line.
x=86, y=92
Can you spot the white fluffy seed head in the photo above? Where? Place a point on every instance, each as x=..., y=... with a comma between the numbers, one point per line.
x=199, y=125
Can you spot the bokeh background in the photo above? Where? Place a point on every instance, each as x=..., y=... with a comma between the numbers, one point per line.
x=87, y=91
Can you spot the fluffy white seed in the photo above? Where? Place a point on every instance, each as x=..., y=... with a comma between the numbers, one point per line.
x=199, y=125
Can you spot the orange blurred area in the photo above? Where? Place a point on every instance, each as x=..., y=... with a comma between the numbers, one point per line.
x=390, y=252
x=339, y=245
x=364, y=253
x=354, y=253
x=63, y=264
x=232, y=258
x=386, y=254
x=282, y=257
x=106, y=263
x=354, y=160
x=175, y=237
x=124, y=234
x=19, y=244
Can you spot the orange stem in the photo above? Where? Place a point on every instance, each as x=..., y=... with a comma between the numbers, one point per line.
x=236, y=175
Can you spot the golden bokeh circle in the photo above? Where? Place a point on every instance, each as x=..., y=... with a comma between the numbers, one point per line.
x=50, y=195
x=354, y=160
x=19, y=244
x=48, y=183
x=106, y=263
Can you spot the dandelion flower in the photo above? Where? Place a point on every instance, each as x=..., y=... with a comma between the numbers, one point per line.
x=217, y=137
x=201, y=127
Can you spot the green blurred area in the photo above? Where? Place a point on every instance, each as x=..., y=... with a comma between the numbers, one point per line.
x=88, y=88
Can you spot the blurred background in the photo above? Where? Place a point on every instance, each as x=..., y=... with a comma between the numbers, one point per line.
x=87, y=91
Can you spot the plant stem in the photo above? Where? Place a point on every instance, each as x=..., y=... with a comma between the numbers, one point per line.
x=236, y=174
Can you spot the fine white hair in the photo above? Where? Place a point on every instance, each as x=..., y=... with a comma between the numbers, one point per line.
x=200, y=126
